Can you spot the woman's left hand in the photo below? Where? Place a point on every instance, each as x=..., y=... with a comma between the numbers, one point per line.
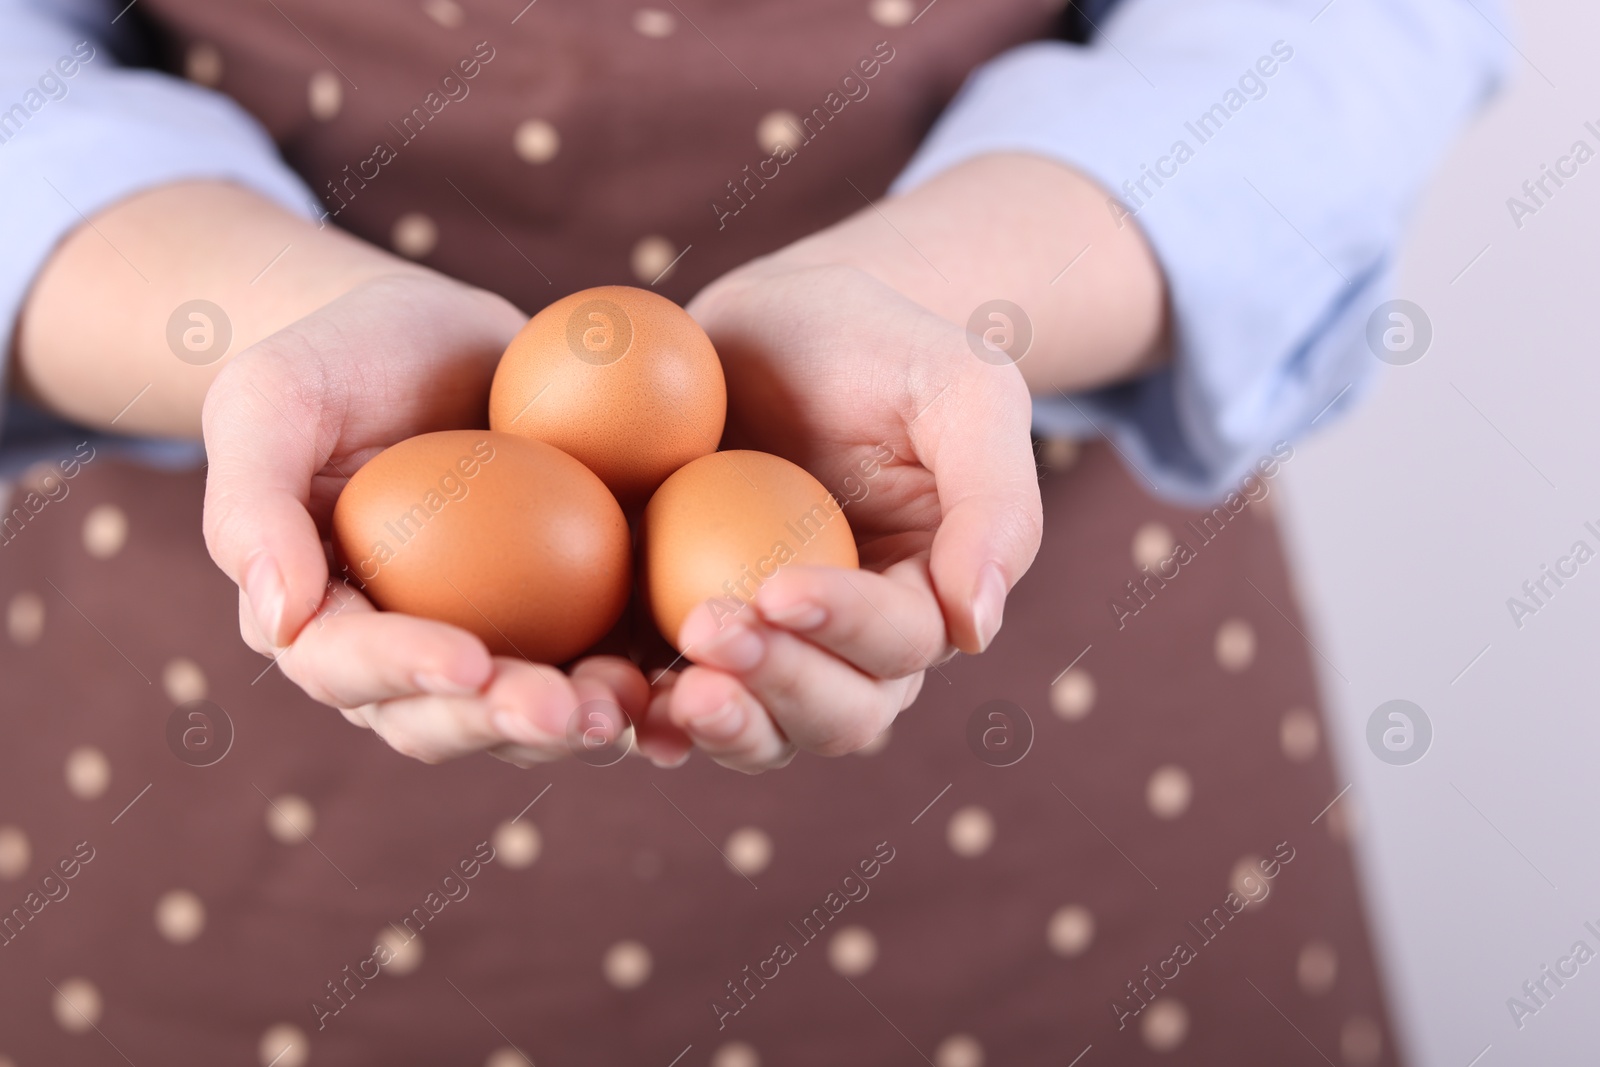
x=927, y=447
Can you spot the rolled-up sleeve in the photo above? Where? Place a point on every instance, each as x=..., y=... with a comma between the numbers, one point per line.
x=1270, y=152
x=78, y=133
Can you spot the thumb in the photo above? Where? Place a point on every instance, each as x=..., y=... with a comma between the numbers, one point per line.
x=261, y=457
x=975, y=441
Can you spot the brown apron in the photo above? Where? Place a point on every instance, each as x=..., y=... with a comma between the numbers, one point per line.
x=1102, y=839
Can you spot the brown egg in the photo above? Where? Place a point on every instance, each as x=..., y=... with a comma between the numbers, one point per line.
x=724, y=524
x=508, y=538
x=622, y=379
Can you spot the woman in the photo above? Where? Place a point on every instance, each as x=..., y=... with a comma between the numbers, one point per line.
x=1050, y=237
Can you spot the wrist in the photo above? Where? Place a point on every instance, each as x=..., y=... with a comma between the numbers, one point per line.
x=1019, y=228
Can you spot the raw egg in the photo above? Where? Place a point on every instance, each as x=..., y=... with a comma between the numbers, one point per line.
x=726, y=523
x=510, y=539
x=620, y=378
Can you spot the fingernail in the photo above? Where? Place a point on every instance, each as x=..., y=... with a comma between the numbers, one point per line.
x=263, y=584
x=736, y=648
x=668, y=763
x=724, y=724
x=802, y=615
x=514, y=727
x=441, y=686
x=988, y=603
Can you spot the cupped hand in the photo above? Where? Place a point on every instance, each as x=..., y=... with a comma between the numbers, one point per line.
x=286, y=424
x=925, y=445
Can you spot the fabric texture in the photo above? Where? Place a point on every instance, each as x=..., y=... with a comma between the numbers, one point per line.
x=1015, y=913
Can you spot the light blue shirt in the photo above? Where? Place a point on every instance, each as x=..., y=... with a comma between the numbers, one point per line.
x=1270, y=151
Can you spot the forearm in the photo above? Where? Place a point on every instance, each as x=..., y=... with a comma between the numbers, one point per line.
x=93, y=334
x=1028, y=230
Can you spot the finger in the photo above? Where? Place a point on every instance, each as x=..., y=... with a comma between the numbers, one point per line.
x=434, y=729
x=726, y=721
x=819, y=702
x=654, y=736
x=622, y=678
x=250, y=630
x=360, y=655
x=658, y=738
x=522, y=756
x=975, y=440
x=261, y=458
x=536, y=706
x=358, y=716
x=437, y=728
x=886, y=625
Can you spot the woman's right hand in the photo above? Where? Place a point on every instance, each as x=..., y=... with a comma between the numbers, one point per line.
x=286, y=423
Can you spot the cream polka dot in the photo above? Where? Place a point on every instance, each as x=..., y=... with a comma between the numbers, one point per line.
x=1235, y=645
x=1168, y=792
x=1317, y=967
x=1360, y=1041
x=41, y=478
x=414, y=235
x=77, y=1005
x=736, y=1054
x=1343, y=821
x=404, y=949
x=283, y=1045
x=15, y=853
x=1073, y=694
x=626, y=964
x=446, y=13
x=202, y=64
x=877, y=744
x=1164, y=1024
x=88, y=772
x=180, y=916
x=970, y=832
x=105, y=531
x=852, y=951
x=749, y=850
x=1299, y=734
x=25, y=618
x=536, y=141
x=1058, y=453
x=652, y=257
x=507, y=1057
x=892, y=12
x=183, y=680
x=291, y=819
x=1071, y=930
x=325, y=95
x=958, y=1050
x=517, y=843
x=1152, y=543
x=778, y=129
x=1247, y=880
x=653, y=22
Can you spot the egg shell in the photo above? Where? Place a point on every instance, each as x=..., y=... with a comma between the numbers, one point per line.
x=622, y=379
x=510, y=539
x=724, y=524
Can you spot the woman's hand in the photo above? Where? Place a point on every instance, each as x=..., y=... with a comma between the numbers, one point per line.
x=851, y=345
x=927, y=445
x=286, y=423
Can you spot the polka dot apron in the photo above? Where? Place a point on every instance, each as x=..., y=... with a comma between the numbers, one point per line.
x=1112, y=839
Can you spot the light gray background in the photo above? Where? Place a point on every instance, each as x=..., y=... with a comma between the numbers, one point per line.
x=1413, y=521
